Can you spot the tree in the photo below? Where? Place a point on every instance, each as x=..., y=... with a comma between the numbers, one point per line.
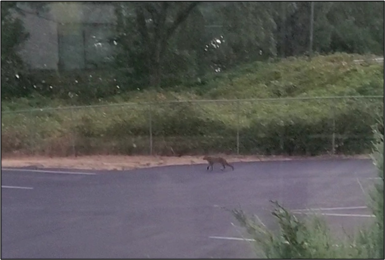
x=13, y=71
x=154, y=24
x=355, y=27
x=247, y=33
x=358, y=27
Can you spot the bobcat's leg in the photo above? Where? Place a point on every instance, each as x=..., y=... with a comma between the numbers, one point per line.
x=224, y=166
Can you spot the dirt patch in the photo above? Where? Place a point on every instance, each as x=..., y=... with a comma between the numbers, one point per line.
x=114, y=162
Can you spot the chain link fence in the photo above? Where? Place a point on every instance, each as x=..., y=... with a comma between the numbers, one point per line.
x=290, y=126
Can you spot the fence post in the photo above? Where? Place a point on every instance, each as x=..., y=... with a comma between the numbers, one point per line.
x=333, y=130
x=150, y=127
x=282, y=134
x=32, y=133
x=238, y=127
x=281, y=141
x=73, y=139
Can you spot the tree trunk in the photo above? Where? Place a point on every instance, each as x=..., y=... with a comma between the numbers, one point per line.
x=155, y=67
x=155, y=73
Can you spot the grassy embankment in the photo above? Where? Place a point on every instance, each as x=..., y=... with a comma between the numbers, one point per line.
x=294, y=127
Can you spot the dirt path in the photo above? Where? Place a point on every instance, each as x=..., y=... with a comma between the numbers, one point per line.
x=119, y=162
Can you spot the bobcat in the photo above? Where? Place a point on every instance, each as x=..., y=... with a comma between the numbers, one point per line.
x=211, y=160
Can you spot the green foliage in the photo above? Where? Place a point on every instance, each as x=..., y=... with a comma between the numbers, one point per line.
x=331, y=75
x=15, y=79
x=78, y=87
x=357, y=27
x=376, y=201
x=291, y=127
x=295, y=238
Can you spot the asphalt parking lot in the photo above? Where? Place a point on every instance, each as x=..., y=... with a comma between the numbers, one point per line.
x=169, y=212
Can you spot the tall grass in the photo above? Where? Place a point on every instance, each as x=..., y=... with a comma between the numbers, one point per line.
x=311, y=237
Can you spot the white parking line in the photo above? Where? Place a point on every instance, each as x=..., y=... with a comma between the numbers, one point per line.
x=335, y=208
x=232, y=238
x=16, y=187
x=361, y=187
x=49, y=171
x=246, y=239
x=339, y=215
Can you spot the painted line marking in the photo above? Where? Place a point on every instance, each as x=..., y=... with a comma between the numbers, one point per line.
x=48, y=171
x=362, y=188
x=339, y=215
x=335, y=208
x=16, y=187
x=232, y=238
x=245, y=239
